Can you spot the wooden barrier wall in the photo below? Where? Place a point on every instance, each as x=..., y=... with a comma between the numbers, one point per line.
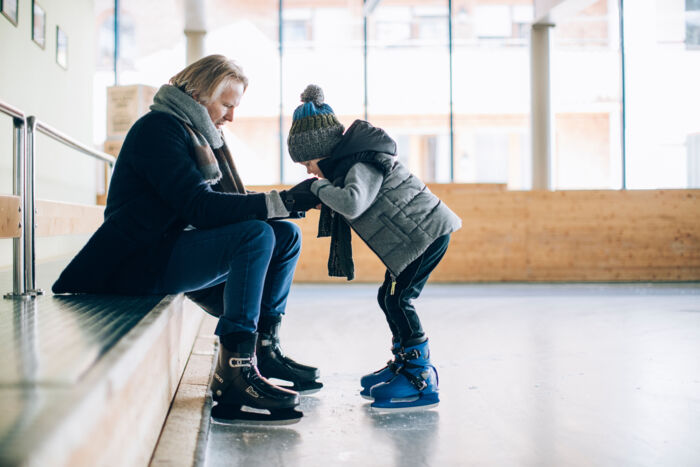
x=592, y=235
x=52, y=218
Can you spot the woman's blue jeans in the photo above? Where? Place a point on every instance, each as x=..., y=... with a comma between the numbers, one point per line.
x=256, y=259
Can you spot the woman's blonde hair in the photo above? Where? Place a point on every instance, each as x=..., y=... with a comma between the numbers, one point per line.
x=208, y=76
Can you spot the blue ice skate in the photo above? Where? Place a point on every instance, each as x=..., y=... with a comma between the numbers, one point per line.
x=382, y=375
x=414, y=387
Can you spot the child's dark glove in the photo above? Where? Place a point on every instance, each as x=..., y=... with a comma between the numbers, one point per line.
x=299, y=197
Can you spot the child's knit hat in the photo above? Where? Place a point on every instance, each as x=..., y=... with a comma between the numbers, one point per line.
x=315, y=129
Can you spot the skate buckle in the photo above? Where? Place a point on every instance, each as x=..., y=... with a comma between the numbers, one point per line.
x=238, y=362
x=418, y=381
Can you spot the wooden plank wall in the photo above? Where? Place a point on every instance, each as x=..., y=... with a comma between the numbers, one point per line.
x=589, y=236
x=52, y=218
x=10, y=216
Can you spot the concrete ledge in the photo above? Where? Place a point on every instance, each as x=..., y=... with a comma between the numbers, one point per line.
x=184, y=435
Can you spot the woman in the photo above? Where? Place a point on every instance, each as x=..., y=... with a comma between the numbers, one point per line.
x=178, y=219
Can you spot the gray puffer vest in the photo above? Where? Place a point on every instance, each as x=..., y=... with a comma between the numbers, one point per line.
x=405, y=218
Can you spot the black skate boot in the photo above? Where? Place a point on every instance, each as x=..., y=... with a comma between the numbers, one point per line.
x=274, y=364
x=238, y=384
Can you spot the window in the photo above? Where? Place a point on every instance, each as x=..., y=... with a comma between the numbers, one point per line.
x=105, y=40
x=587, y=100
x=408, y=84
x=296, y=26
x=662, y=94
x=692, y=23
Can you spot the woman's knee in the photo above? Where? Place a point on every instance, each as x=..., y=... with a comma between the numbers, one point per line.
x=287, y=234
x=258, y=232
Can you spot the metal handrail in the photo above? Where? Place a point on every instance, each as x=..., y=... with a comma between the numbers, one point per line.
x=18, y=168
x=24, y=187
x=71, y=143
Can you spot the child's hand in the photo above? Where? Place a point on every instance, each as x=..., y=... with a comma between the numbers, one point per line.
x=299, y=197
x=304, y=186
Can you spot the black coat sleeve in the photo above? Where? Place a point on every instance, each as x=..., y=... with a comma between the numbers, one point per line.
x=163, y=157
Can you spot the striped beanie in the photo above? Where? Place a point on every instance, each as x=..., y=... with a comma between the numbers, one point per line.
x=315, y=129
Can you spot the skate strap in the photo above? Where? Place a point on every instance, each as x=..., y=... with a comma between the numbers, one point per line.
x=394, y=365
x=239, y=362
x=417, y=381
x=412, y=355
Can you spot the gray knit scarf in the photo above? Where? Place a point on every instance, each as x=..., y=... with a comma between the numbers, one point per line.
x=214, y=160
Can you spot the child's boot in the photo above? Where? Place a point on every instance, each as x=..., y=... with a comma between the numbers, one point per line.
x=414, y=387
x=382, y=375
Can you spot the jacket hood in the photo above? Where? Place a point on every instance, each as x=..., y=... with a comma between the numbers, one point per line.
x=362, y=136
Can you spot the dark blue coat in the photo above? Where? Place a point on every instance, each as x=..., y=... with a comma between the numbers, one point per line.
x=155, y=192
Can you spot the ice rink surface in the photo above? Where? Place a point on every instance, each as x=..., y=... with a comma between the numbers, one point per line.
x=530, y=374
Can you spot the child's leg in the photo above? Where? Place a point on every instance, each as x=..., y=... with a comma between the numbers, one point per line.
x=414, y=385
x=409, y=284
x=392, y=367
x=381, y=299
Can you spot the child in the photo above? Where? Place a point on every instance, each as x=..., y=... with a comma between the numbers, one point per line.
x=364, y=187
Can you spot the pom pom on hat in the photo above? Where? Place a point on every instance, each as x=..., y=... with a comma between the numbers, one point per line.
x=315, y=129
x=313, y=93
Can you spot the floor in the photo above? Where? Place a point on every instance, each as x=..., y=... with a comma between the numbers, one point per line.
x=530, y=374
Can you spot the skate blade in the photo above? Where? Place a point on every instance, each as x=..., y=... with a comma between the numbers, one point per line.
x=365, y=396
x=232, y=415
x=407, y=404
x=402, y=409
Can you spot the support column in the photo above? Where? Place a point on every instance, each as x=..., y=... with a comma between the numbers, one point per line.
x=195, y=29
x=541, y=106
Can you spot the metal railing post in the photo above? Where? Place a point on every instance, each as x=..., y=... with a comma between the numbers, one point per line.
x=30, y=212
x=18, y=167
x=23, y=186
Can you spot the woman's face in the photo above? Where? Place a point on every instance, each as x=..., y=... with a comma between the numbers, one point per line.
x=221, y=109
x=313, y=168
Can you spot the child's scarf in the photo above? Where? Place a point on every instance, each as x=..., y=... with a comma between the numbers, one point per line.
x=330, y=223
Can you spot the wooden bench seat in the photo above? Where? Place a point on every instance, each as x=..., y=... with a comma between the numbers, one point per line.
x=88, y=379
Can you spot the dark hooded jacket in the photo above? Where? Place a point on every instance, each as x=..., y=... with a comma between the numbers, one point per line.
x=405, y=217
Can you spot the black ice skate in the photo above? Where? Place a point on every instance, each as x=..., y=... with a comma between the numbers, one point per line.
x=241, y=394
x=272, y=363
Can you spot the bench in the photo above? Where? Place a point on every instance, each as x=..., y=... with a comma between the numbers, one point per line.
x=84, y=379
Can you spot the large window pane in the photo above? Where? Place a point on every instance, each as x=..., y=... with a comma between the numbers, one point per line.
x=491, y=92
x=663, y=65
x=322, y=44
x=408, y=82
x=586, y=99
x=151, y=49
x=248, y=32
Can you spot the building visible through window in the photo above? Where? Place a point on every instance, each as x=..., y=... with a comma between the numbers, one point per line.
x=692, y=23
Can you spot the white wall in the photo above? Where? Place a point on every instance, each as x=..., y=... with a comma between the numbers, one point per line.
x=31, y=80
